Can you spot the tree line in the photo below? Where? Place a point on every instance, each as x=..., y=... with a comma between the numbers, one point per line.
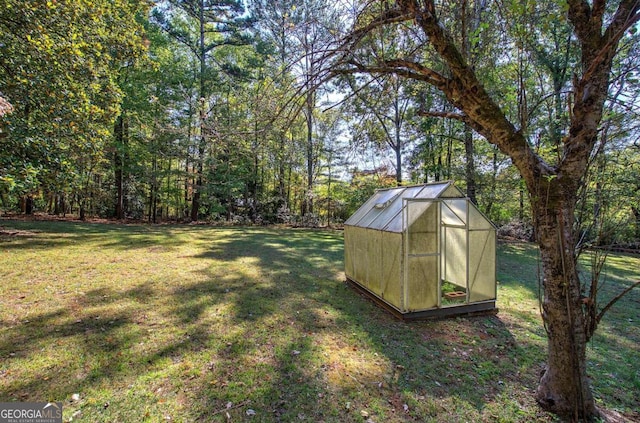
x=213, y=110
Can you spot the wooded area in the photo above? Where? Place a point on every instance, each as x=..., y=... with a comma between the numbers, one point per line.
x=294, y=111
x=198, y=110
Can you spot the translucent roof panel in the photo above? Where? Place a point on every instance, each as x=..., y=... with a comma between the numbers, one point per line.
x=379, y=197
x=391, y=211
x=383, y=211
x=437, y=190
x=416, y=209
x=372, y=209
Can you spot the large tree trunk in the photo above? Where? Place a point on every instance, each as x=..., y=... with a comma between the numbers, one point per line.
x=564, y=386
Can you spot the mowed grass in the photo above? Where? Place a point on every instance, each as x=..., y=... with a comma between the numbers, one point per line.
x=127, y=323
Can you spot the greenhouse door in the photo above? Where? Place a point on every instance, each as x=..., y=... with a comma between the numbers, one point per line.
x=454, y=285
x=421, y=220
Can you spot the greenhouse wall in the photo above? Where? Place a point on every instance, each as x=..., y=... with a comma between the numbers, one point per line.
x=422, y=251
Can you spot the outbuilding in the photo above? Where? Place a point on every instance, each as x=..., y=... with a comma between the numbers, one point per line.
x=422, y=251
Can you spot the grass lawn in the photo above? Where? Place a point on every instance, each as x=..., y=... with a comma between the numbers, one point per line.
x=127, y=323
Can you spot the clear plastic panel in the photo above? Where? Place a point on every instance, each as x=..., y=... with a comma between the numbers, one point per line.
x=355, y=217
x=375, y=251
x=423, y=228
x=374, y=211
x=349, y=252
x=392, y=211
x=477, y=220
x=454, y=212
x=379, y=197
x=359, y=257
x=422, y=281
x=455, y=256
x=452, y=192
x=433, y=190
x=391, y=283
x=482, y=266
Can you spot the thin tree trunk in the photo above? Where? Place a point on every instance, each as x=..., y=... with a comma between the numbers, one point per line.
x=329, y=210
x=282, y=193
x=169, y=197
x=438, y=172
x=470, y=167
x=307, y=204
x=195, y=200
x=397, y=141
x=118, y=166
x=521, y=195
x=28, y=205
x=447, y=171
x=636, y=214
x=469, y=23
x=492, y=182
x=188, y=178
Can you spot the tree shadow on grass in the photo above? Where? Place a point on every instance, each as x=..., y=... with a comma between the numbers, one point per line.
x=45, y=235
x=268, y=331
x=299, y=290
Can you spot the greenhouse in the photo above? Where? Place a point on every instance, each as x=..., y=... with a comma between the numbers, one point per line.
x=422, y=251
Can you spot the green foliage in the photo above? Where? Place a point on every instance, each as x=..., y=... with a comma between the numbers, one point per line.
x=59, y=67
x=73, y=70
x=362, y=186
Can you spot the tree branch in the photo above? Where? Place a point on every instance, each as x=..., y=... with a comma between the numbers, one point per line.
x=590, y=90
x=622, y=21
x=447, y=115
x=399, y=67
x=390, y=16
x=428, y=74
x=464, y=91
x=580, y=16
x=615, y=300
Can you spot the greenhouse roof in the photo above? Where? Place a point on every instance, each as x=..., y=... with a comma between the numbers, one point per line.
x=383, y=211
